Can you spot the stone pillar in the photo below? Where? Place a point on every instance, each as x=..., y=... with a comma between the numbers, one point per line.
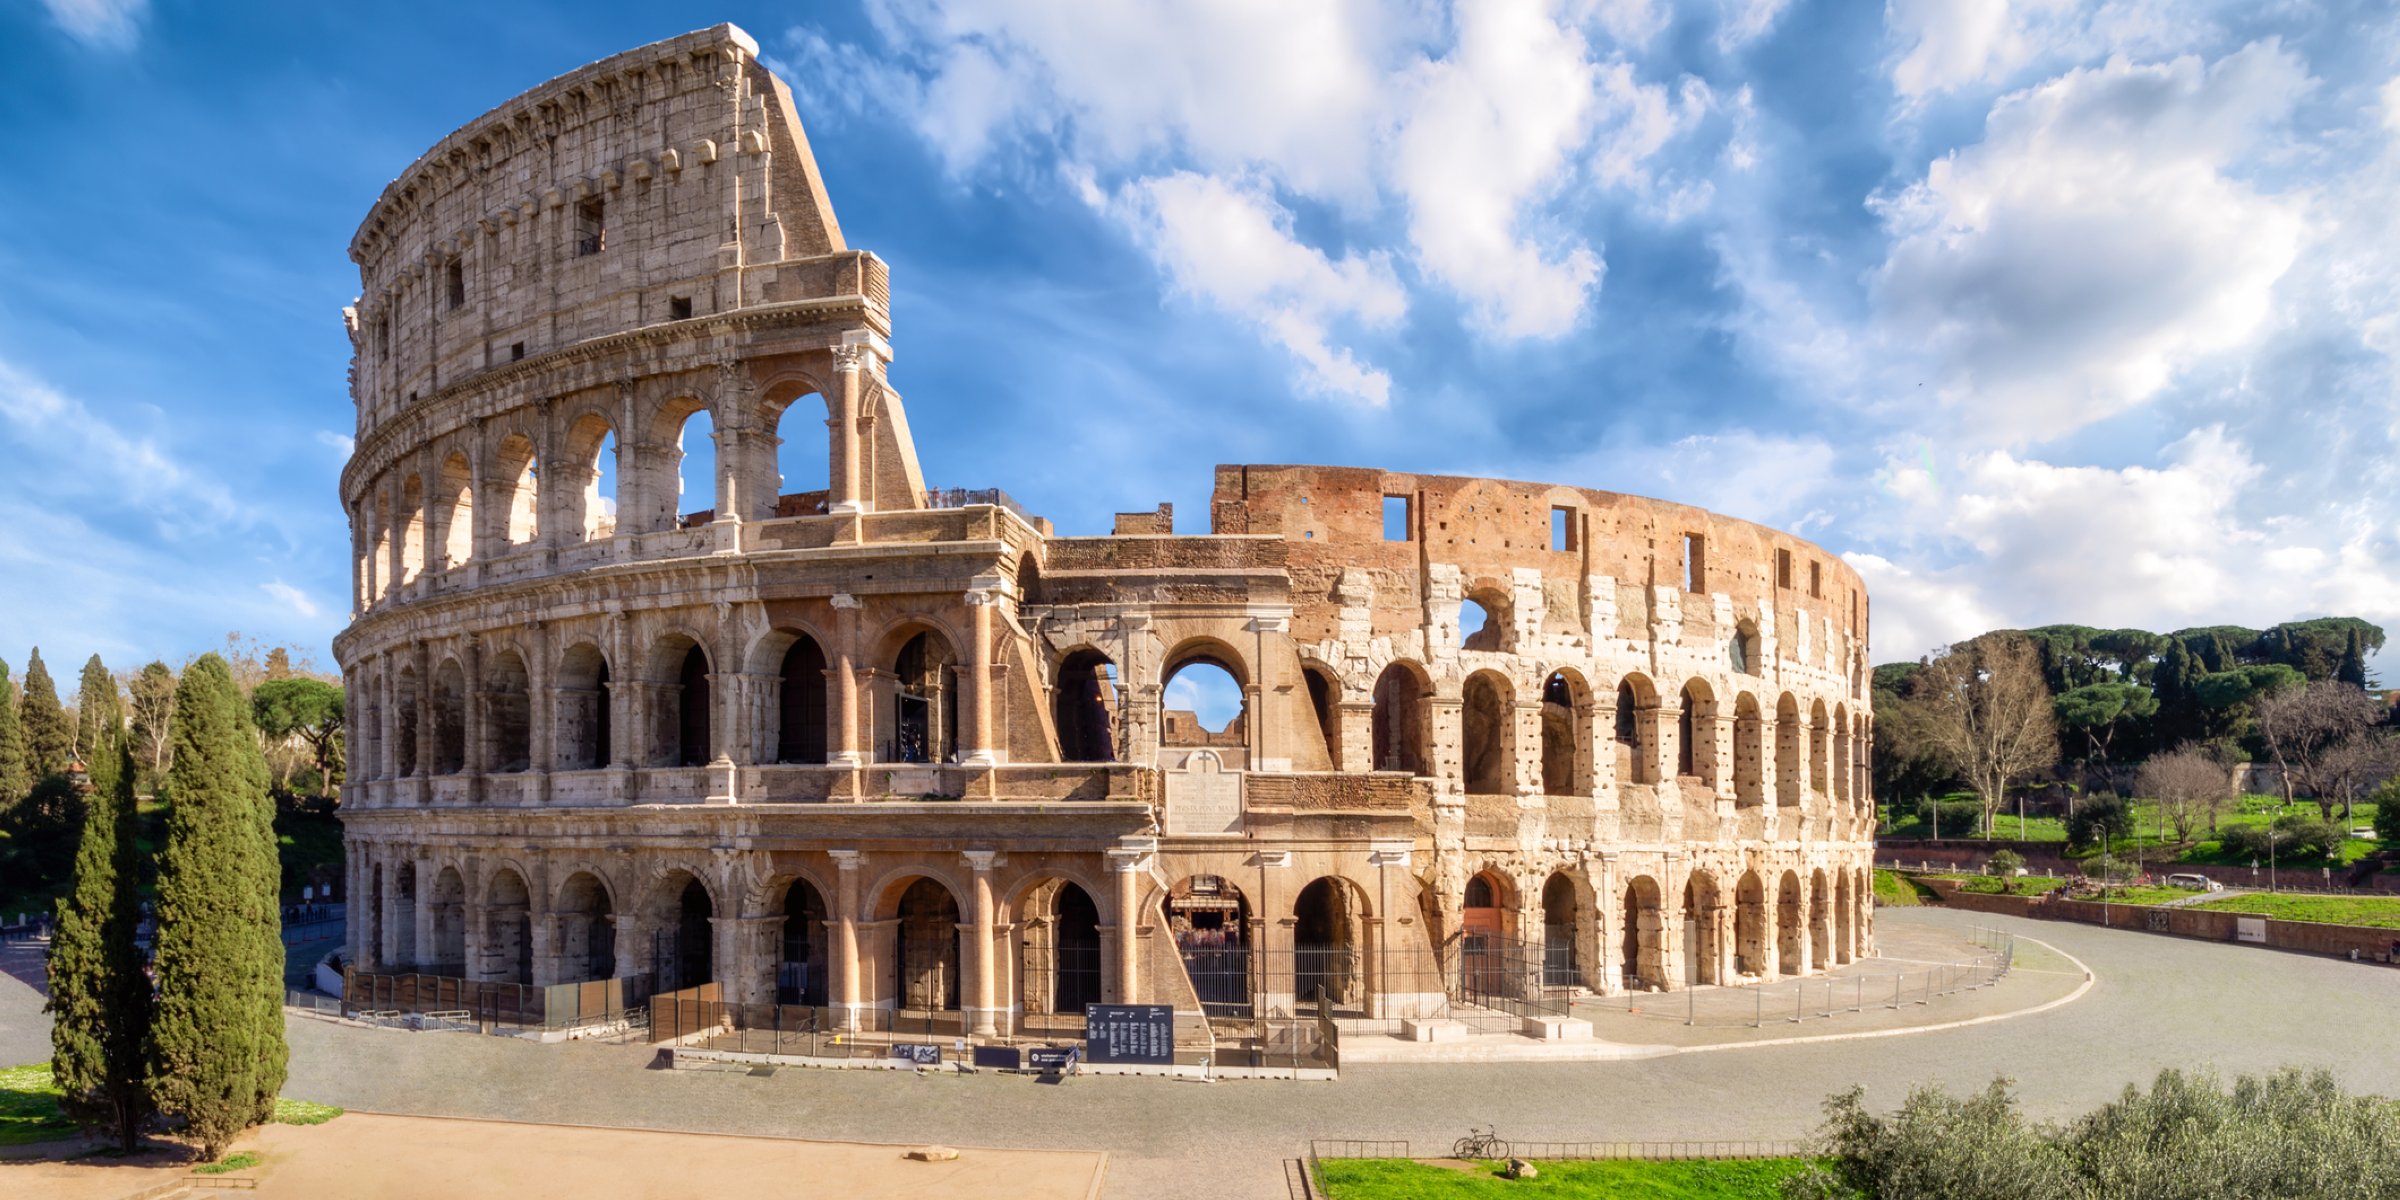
x=986, y=996
x=976, y=723
x=1129, y=860
x=1353, y=736
x=847, y=745
x=1722, y=767
x=1656, y=733
x=623, y=930
x=847, y=995
x=471, y=706
x=1526, y=716
x=850, y=487
x=542, y=928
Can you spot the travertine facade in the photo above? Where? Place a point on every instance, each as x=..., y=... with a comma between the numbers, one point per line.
x=880, y=747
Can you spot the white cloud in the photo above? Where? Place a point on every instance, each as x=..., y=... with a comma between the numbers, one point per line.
x=64, y=448
x=1488, y=129
x=106, y=24
x=1950, y=45
x=2095, y=242
x=1746, y=21
x=292, y=598
x=341, y=443
x=1229, y=243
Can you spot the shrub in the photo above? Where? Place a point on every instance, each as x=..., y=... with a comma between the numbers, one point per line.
x=2100, y=819
x=1958, y=818
x=2293, y=835
x=2387, y=810
x=2006, y=864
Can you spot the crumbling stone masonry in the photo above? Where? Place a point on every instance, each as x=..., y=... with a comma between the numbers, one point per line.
x=857, y=742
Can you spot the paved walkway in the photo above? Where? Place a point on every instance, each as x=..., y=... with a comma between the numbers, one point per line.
x=2158, y=1002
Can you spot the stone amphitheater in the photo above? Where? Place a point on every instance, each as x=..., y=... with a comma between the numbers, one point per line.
x=827, y=735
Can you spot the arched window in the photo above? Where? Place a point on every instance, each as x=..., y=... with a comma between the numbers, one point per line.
x=1488, y=735
x=696, y=470
x=691, y=709
x=582, y=733
x=802, y=451
x=1696, y=743
x=1565, y=747
x=449, y=718
x=1741, y=650
x=509, y=720
x=925, y=703
x=801, y=977
x=412, y=529
x=802, y=709
x=1322, y=692
x=1204, y=706
x=519, y=499
x=1483, y=621
x=1398, y=724
x=455, y=510
x=1083, y=708
x=590, y=480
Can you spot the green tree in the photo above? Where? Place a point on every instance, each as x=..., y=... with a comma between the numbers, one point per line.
x=49, y=738
x=2353, y=670
x=2100, y=821
x=152, y=692
x=2387, y=811
x=307, y=709
x=15, y=779
x=217, y=1049
x=2006, y=864
x=1989, y=712
x=1937, y=1145
x=99, y=719
x=2099, y=711
x=99, y=996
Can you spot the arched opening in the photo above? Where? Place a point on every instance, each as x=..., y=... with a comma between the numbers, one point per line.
x=1749, y=755
x=680, y=721
x=925, y=701
x=1566, y=754
x=449, y=912
x=683, y=947
x=454, y=509
x=1487, y=935
x=1645, y=926
x=1062, y=951
x=587, y=930
x=1741, y=650
x=449, y=718
x=801, y=709
x=1789, y=927
x=1399, y=720
x=1787, y=750
x=1820, y=743
x=404, y=915
x=583, y=709
x=1696, y=741
x=1323, y=692
x=508, y=713
x=379, y=566
x=1820, y=921
x=1841, y=758
x=1753, y=953
x=692, y=746
x=1483, y=620
x=696, y=469
x=593, y=459
x=1488, y=736
x=1637, y=707
x=1845, y=944
x=405, y=701
x=1561, y=933
x=1203, y=705
x=519, y=498
x=508, y=929
x=925, y=962
x=412, y=529
x=1326, y=939
x=803, y=452
x=1703, y=940
x=1084, y=709
x=372, y=945
x=1210, y=919
x=800, y=977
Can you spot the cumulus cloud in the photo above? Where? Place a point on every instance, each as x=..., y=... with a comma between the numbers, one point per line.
x=106, y=24
x=2095, y=242
x=67, y=449
x=1941, y=46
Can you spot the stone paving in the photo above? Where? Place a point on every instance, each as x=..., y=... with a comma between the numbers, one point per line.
x=2157, y=1002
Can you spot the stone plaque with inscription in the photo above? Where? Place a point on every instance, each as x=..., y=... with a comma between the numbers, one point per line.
x=1202, y=798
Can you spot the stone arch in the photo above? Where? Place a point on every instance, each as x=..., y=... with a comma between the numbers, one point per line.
x=508, y=712
x=1704, y=948
x=800, y=477
x=1083, y=706
x=1820, y=738
x=801, y=712
x=682, y=700
x=1696, y=733
x=679, y=917
x=1749, y=752
x=1742, y=650
x=1753, y=951
x=507, y=949
x=803, y=970
x=379, y=554
x=1329, y=939
x=1059, y=924
x=1488, y=600
x=1400, y=727
x=404, y=913
x=1203, y=653
x=1790, y=926
x=1567, y=734
x=454, y=510
x=1820, y=921
x=449, y=718
x=585, y=915
x=516, y=490
x=1845, y=926
x=925, y=687
x=1637, y=709
x=412, y=528
x=924, y=916
x=589, y=482
x=407, y=746
x=1324, y=697
x=1787, y=750
x=1840, y=789
x=1564, y=930
x=1488, y=734
x=679, y=443
x=583, y=717
x=448, y=910
x=1210, y=919
x=1645, y=926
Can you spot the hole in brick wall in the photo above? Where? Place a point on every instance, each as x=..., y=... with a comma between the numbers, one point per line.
x=679, y=308
x=1562, y=528
x=1395, y=518
x=516, y=350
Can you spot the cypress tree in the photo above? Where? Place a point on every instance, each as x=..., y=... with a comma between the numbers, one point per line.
x=99, y=995
x=99, y=716
x=49, y=740
x=15, y=780
x=217, y=1050
x=2353, y=670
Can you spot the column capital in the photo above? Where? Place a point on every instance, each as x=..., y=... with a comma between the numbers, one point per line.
x=845, y=600
x=847, y=860
x=980, y=860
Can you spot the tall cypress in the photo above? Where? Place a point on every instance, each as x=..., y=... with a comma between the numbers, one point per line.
x=99, y=716
x=99, y=996
x=15, y=780
x=217, y=1049
x=49, y=739
x=2353, y=670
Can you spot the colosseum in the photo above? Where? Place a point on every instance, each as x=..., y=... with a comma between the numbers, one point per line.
x=824, y=734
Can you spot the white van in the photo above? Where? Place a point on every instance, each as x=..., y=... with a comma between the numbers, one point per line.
x=2197, y=883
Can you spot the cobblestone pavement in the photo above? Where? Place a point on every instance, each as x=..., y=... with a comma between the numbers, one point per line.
x=2159, y=1002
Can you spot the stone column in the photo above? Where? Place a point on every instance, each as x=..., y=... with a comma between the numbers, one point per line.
x=850, y=494
x=623, y=930
x=849, y=996
x=542, y=929
x=1526, y=718
x=1129, y=860
x=1353, y=736
x=985, y=995
x=472, y=715
x=425, y=705
x=976, y=723
x=848, y=743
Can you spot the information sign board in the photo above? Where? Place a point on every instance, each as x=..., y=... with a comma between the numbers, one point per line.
x=1130, y=1033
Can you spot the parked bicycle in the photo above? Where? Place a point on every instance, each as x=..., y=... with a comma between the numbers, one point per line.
x=1481, y=1142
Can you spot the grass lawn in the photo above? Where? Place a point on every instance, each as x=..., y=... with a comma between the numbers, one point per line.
x=303, y=1112
x=29, y=1106
x=2025, y=885
x=1619, y=1179
x=2375, y=911
x=231, y=1162
x=2149, y=835
x=1899, y=891
x=2143, y=895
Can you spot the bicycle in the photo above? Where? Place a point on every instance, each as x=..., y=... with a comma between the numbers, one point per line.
x=1480, y=1142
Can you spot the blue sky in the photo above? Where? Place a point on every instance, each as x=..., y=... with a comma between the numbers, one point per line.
x=2034, y=311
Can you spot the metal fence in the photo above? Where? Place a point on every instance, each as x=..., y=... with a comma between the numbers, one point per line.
x=1491, y=1147
x=1816, y=998
x=491, y=1006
